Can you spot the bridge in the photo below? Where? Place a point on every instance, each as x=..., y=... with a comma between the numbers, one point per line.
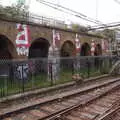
x=41, y=38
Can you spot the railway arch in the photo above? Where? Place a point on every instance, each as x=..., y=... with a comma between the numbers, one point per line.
x=42, y=37
x=67, y=49
x=85, y=49
x=39, y=48
x=7, y=49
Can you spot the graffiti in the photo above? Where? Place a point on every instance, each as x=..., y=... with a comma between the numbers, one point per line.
x=77, y=44
x=22, y=39
x=56, y=39
x=22, y=72
x=93, y=45
x=105, y=45
x=53, y=69
x=53, y=64
x=76, y=65
x=22, y=50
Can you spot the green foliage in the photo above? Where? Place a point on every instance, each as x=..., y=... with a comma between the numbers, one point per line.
x=79, y=28
x=15, y=11
x=108, y=33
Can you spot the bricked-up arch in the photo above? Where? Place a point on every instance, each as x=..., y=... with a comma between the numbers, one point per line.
x=98, y=50
x=7, y=49
x=85, y=50
x=67, y=49
x=39, y=48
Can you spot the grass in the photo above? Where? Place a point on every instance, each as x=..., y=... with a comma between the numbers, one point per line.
x=14, y=86
x=65, y=76
x=8, y=87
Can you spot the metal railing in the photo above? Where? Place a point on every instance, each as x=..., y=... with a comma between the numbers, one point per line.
x=46, y=21
x=32, y=18
x=20, y=76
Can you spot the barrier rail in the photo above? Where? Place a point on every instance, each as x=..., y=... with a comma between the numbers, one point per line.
x=32, y=18
x=24, y=75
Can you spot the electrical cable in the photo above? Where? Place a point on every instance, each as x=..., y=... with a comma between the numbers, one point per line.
x=107, y=26
x=117, y=1
x=77, y=14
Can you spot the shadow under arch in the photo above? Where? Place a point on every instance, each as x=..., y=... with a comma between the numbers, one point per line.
x=85, y=50
x=98, y=50
x=67, y=49
x=7, y=52
x=39, y=48
x=7, y=49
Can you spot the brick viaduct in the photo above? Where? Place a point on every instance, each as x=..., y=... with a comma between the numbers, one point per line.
x=41, y=38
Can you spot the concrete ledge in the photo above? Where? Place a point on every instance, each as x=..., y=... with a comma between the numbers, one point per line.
x=45, y=90
x=94, y=78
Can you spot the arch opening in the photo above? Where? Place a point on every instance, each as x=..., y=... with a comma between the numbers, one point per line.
x=85, y=50
x=7, y=52
x=39, y=48
x=7, y=49
x=98, y=50
x=67, y=49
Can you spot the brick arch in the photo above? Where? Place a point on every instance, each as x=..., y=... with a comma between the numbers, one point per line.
x=98, y=50
x=63, y=41
x=85, y=49
x=39, y=48
x=7, y=48
x=67, y=49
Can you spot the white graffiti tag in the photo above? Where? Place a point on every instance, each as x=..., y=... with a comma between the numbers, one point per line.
x=22, y=50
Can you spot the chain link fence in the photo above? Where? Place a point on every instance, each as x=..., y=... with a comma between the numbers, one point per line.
x=20, y=76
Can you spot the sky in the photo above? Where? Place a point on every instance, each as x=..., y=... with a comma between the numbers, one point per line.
x=106, y=11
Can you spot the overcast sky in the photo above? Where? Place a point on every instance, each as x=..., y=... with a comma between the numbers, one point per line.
x=103, y=10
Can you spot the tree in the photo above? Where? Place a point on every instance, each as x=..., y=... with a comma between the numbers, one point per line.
x=109, y=34
x=16, y=11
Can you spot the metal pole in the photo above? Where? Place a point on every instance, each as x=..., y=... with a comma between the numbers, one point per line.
x=88, y=65
x=23, y=80
x=96, y=9
x=51, y=73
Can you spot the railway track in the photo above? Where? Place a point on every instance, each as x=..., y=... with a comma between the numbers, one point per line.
x=107, y=107
x=111, y=114
x=115, y=115
x=28, y=97
x=61, y=105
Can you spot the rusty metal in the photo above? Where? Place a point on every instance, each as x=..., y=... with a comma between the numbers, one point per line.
x=110, y=113
x=94, y=111
x=49, y=109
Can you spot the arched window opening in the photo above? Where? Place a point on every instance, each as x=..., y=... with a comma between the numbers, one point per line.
x=85, y=50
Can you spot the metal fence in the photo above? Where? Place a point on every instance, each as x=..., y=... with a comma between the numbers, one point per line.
x=35, y=19
x=20, y=76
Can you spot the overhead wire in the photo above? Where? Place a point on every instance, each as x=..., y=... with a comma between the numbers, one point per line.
x=117, y=1
x=54, y=7
x=74, y=13
x=112, y=23
x=80, y=15
x=63, y=7
x=104, y=27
